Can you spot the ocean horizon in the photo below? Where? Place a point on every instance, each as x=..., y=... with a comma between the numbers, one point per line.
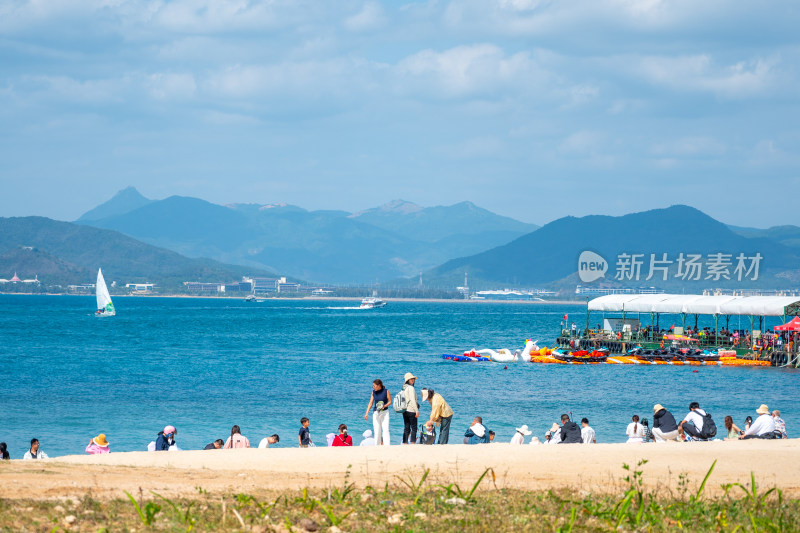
x=205, y=364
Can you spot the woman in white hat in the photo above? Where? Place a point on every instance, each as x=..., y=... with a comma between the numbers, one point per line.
x=411, y=414
x=521, y=433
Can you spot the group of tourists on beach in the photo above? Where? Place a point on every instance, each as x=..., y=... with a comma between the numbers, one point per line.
x=697, y=425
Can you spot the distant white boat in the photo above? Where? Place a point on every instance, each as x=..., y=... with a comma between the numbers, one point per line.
x=252, y=298
x=105, y=307
x=372, y=302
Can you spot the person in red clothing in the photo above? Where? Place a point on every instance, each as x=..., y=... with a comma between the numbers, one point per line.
x=342, y=439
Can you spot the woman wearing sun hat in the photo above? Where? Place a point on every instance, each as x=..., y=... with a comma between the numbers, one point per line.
x=411, y=414
x=519, y=436
x=98, y=445
x=762, y=425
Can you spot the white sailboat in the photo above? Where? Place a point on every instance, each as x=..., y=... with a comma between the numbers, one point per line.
x=104, y=305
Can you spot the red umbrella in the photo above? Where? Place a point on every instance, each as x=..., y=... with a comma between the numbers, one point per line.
x=792, y=325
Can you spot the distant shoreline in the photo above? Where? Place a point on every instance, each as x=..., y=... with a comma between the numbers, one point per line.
x=317, y=298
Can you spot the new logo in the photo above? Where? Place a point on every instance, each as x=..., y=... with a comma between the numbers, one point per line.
x=591, y=266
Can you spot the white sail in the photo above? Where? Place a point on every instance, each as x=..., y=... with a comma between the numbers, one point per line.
x=104, y=304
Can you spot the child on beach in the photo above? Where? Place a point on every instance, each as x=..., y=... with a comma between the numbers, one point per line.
x=304, y=437
x=428, y=433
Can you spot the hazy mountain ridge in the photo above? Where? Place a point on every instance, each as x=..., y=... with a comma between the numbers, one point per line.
x=69, y=252
x=549, y=255
x=398, y=239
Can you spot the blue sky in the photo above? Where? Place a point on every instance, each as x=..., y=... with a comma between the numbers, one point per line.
x=533, y=109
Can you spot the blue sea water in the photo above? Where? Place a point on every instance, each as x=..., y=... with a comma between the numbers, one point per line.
x=206, y=364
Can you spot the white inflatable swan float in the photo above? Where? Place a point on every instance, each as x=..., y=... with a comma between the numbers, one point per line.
x=504, y=355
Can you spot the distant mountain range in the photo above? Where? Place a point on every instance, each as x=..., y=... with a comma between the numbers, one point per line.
x=65, y=253
x=549, y=255
x=395, y=240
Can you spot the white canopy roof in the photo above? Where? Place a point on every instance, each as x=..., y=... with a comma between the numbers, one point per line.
x=697, y=304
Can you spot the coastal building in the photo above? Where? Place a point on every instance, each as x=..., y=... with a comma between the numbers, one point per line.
x=512, y=295
x=199, y=287
x=602, y=291
x=85, y=288
x=140, y=288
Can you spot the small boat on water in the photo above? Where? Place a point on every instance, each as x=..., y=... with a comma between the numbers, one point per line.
x=105, y=306
x=372, y=302
x=252, y=298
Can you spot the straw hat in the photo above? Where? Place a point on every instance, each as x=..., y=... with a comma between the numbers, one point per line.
x=555, y=427
x=408, y=376
x=657, y=407
x=100, y=440
x=763, y=410
x=524, y=430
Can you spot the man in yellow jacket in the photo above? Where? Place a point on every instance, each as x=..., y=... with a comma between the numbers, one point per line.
x=441, y=414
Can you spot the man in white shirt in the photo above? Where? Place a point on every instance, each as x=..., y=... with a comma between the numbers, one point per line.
x=762, y=425
x=266, y=441
x=587, y=432
x=34, y=452
x=692, y=423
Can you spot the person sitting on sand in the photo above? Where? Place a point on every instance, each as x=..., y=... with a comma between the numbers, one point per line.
x=587, y=432
x=664, y=426
x=733, y=429
x=342, y=439
x=165, y=439
x=4, y=455
x=34, y=452
x=635, y=430
x=570, y=432
x=476, y=433
x=98, y=445
x=428, y=433
x=780, y=425
x=554, y=435
x=648, y=435
x=266, y=441
x=368, y=440
x=692, y=424
x=520, y=434
x=763, y=425
x=236, y=440
x=216, y=445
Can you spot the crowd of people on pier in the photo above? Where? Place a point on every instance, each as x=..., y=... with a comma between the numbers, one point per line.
x=696, y=425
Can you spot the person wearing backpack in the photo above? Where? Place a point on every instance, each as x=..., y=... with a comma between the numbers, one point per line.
x=406, y=402
x=698, y=424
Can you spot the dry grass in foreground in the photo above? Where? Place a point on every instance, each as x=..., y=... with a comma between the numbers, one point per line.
x=418, y=505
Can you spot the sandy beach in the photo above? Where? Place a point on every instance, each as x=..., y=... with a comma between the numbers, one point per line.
x=596, y=468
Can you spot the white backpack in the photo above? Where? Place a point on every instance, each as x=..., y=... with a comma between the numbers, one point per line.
x=400, y=402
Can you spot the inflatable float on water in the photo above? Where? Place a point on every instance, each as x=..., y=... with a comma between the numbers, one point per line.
x=637, y=356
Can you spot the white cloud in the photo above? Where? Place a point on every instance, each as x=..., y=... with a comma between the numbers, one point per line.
x=371, y=17
x=699, y=73
x=467, y=71
x=700, y=146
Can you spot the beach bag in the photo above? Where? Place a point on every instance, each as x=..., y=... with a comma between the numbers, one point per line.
x=709, y=427
x=400, y=402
